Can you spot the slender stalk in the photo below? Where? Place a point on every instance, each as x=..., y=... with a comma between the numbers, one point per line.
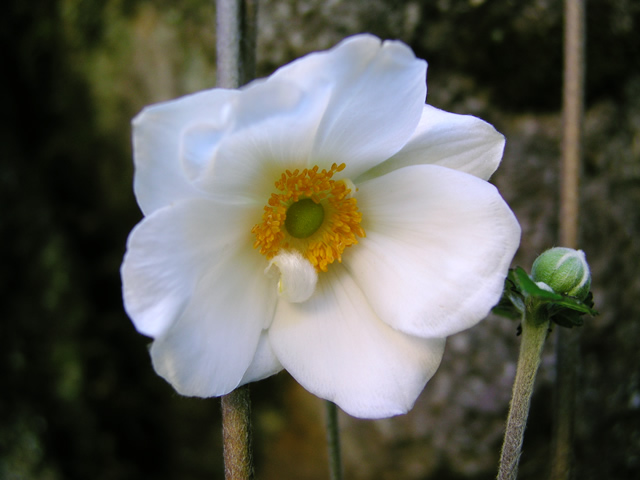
x=235, y=65
x=236, y=434
x=572, y=112
x=333, y=441
x=235, y=42
x=567, y=358
x=534, y=333
x=567, y=351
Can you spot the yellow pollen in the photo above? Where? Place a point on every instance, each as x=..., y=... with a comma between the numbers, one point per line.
x=339, y=230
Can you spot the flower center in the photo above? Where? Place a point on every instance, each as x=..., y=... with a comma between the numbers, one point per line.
x=312, y=214
x=304, y=218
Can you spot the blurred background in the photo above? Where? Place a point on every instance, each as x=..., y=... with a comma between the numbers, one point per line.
x=78, y=396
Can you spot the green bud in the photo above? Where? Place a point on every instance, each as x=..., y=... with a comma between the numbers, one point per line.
x=565, y=270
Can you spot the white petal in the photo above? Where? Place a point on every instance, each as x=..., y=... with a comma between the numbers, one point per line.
x=170, y=250
x=439, y=244
x=377, y=94
x=192, y=280
x=297, y=278
x=161, y=178
x=264, y=364
x=208, y=350
x=273, y=129
x=335, y=346
x=461, y=142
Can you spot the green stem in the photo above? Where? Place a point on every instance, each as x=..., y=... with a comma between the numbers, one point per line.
x=534, y=333
x=236, y=434
x=333, y=441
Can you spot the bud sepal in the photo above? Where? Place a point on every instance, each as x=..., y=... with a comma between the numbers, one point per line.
x=521, y=292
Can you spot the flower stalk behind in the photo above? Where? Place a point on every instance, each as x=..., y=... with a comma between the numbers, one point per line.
x=333, y=441
x=567, y=352
x=235, y=48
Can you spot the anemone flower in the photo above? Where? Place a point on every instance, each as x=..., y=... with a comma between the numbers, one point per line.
x=323, y=220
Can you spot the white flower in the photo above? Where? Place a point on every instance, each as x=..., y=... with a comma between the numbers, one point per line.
x=353, y=292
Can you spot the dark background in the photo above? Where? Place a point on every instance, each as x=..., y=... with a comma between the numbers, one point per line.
x=78, y=396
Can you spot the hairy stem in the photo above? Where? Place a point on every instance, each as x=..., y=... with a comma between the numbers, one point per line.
x=236, y=434
x=534, y=333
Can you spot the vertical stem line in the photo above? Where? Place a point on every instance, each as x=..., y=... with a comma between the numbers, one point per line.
x=573, y=95
x=236, y=32
x=567, y=346
x=534, y=333
x=235, y=66
x=333, y=441
x=228, y=43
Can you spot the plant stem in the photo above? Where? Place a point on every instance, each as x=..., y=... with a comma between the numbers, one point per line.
x=567, y=358
x=534, y=333
x=235, y=66
x=567, y=351
x=572, y=118
x=333, y=441
x=236, y=434
x=235, y=42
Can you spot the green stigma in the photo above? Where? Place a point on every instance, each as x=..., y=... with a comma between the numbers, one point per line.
x=304, y=218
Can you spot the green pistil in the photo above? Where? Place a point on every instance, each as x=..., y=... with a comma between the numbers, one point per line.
x=304, y=218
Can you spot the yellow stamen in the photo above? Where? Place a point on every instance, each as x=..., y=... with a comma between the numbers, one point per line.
x=340, y=227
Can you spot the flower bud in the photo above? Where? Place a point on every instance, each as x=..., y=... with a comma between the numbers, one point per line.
x=565, y=270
